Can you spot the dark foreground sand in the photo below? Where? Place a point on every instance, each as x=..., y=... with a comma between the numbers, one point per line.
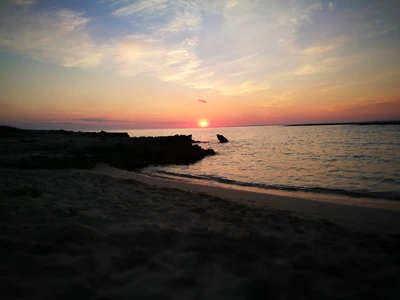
x=73, y=235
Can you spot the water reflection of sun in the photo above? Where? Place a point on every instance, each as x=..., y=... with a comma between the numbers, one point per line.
x=203, y=123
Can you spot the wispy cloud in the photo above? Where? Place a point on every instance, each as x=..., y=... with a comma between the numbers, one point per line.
x=304, y=14
x=306, y=70
x=317, y=50
x=101, y=120
x=329, y=64
x=137, y=54
x=233, y=47
x=58, y=36
x=202, y=101
x=183, y=18
x=246, y=87
x=142, y=7
x=181, y=61
x=24, y=3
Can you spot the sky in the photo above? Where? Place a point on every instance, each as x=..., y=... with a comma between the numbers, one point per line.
x=130, y=64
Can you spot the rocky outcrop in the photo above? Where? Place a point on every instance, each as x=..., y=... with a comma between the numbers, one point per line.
x=58, y=149
x=222, y=139
x=136, y=153
x=8, y=131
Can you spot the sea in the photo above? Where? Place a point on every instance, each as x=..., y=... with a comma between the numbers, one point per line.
x=349, y=161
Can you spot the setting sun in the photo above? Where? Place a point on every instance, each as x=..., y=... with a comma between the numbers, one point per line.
x=203, y=123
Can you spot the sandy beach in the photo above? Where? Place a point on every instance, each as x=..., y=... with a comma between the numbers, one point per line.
x=377, y=216
x=75, y=234
x=199, y=150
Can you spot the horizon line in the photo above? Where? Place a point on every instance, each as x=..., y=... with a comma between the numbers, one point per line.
x=373, y=122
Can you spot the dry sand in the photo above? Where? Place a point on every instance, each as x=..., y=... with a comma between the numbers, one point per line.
x=376, y=216
x=71, y=234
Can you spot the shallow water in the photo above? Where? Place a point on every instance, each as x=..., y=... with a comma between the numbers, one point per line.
x=347, y=160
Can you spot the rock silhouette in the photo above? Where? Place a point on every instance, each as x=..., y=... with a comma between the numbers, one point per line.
x=59, y=149
x=222, y=139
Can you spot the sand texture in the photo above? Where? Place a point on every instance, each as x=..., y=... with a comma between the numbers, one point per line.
x=67, y=234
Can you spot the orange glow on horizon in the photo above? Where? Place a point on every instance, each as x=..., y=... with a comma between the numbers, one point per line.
x=203, y=123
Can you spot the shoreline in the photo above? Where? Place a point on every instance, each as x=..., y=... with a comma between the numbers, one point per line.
x=70, y=231
x=77, y=234
x=315, y=196
x=382, y=218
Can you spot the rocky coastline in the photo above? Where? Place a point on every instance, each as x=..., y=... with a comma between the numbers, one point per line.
x=60, y=149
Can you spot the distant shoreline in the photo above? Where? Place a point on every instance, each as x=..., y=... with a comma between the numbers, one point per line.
x=349, y=123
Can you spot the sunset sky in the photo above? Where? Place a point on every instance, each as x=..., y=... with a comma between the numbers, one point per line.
x=121, y=64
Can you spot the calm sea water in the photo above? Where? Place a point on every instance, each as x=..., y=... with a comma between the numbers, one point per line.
x=344, y=160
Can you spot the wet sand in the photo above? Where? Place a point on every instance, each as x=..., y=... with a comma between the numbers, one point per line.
x=377, y=216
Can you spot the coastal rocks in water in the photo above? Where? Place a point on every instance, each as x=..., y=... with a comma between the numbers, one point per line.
x=59, y=149
x=139, y=152
x=222, y=139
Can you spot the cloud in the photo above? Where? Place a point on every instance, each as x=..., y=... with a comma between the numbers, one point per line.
x=183, y=18
x=379, y=111
x=232, y=47
x=318, y=49
x=326, y=46
x=62, y=37
x=141, y=7
x=245, y=87
x=58, y=36
x=306, y=70
x=181, y=61
x=379, y=27
x=329, y=64
x=101, y=120
x=166, y=123
x=24, y=3
x=202, y=101
x=151, y=51
x=305, y=14
x=167, y=47
x=137, y=54
x=176, y=16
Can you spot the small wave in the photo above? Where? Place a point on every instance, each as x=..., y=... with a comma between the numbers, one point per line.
x=315, y=190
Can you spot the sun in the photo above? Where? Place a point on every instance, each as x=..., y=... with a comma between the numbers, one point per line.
x=203, y=123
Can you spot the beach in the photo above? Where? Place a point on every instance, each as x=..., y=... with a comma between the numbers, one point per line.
x=74, y=234
x=199, y=150
x=72, y=225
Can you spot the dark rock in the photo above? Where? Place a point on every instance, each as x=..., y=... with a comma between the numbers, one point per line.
x=222, y=139
x=136, y=153
x=112, y=134
x=60, y=149
x=8, y=131
x=141, y=152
